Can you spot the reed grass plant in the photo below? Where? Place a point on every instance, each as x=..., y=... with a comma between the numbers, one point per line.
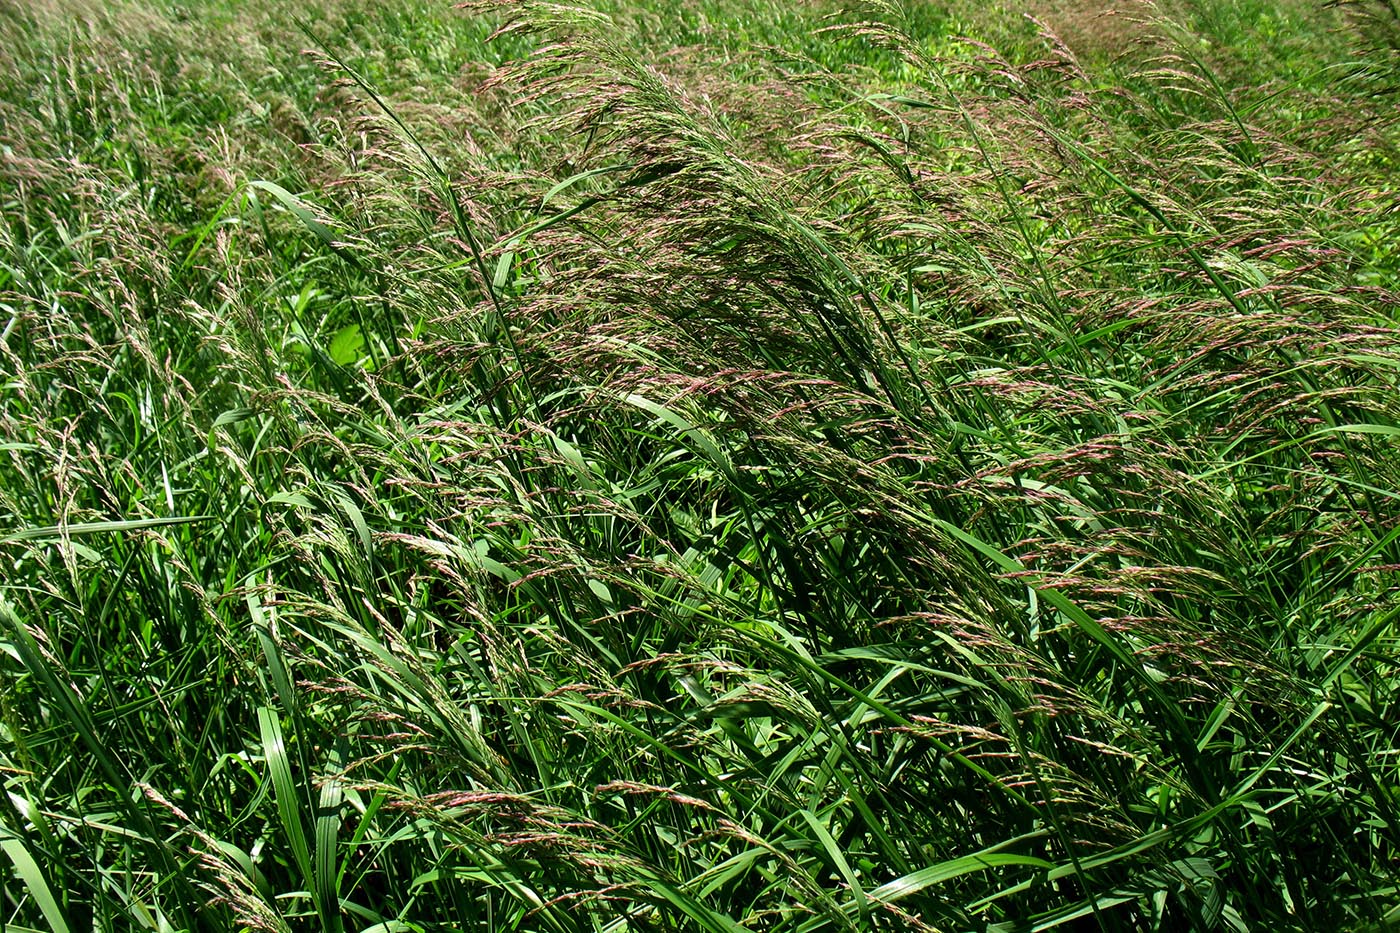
x=721, y=466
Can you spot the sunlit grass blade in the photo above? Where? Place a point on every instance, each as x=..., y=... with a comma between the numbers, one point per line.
x=32, y=877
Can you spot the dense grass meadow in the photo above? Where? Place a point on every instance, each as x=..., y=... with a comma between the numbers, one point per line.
x=732, y=466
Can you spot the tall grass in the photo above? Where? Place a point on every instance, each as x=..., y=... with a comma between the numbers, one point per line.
x=709, y=467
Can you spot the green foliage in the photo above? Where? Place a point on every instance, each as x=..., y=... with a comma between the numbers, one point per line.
x=714, y=466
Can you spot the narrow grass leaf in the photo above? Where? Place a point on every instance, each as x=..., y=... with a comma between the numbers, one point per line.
x=33, y=877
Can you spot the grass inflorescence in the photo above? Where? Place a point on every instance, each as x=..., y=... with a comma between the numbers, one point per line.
x=716, y=466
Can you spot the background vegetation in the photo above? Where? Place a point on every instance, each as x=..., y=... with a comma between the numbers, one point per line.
x=717, y=466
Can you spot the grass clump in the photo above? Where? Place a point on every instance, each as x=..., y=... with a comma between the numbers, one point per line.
x=721, y=467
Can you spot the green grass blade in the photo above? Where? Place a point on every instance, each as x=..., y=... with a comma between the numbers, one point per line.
x=33, y=877
x=838, y=860
x=289, y=799
x=916, y=881
x=47, y=532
